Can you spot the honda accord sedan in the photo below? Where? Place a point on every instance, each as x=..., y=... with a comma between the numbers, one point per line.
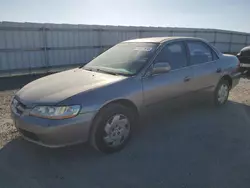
x=101, y=101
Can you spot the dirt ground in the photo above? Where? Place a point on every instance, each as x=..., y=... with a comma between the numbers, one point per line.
x=7, y=130
x=8, y=87
x=193, y=147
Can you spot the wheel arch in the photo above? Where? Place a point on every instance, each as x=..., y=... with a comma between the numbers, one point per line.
x=229, y=79
x=124, y=102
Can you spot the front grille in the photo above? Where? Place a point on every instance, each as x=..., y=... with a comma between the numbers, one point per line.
x=29, y=135
x=20, y=108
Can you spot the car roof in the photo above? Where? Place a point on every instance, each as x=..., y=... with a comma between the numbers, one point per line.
x=160, y=39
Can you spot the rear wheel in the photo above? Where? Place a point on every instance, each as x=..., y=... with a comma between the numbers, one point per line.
x=112, y=128
x=221, y=92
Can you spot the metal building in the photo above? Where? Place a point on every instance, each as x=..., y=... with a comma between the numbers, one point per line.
x=27, y=48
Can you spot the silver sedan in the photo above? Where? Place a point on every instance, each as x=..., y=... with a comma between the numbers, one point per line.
x=101, y=101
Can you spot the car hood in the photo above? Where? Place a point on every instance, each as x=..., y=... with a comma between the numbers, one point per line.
x=60, y=86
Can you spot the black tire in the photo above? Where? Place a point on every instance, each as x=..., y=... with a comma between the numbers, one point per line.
x=98, y=129
x=222, y=82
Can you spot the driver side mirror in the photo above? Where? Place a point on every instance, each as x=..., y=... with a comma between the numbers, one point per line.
x=161, y=67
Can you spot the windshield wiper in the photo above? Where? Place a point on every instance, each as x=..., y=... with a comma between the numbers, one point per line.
x=99, y=70
x=88, y=69
x=105, y=71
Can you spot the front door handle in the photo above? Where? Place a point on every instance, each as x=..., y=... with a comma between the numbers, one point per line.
x=218, y=70
x=186, y=79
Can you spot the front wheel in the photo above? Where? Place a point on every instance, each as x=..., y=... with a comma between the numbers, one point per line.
x=221, y=93
x=112, y=128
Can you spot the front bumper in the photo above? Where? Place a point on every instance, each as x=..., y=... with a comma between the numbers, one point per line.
x=54, y=133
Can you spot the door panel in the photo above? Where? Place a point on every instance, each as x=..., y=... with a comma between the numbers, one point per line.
x=161, y=88
x=205, y=76
x=167, y=86
x=203, y=62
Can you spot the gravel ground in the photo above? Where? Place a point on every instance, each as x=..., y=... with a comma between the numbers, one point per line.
x=8, y=86
x=7, y=130
x=198, y=147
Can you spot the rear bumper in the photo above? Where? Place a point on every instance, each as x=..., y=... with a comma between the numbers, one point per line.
x=245, y=65
x=54, y=133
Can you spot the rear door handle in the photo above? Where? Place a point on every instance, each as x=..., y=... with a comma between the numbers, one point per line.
x=218, y=70
x=186, y=79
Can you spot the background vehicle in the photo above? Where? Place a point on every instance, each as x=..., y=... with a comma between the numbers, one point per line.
x=101, y=101
x=244, y=57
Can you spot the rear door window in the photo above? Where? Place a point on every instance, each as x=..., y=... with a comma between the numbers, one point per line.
x=199, y=53
x=174, y=54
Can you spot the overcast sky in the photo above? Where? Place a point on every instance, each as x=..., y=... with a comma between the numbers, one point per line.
x=219, y=14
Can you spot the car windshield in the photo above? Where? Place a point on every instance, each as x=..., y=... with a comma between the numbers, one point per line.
x=125, y=58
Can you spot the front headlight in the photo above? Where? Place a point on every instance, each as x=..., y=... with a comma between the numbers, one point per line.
x=55, y=112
